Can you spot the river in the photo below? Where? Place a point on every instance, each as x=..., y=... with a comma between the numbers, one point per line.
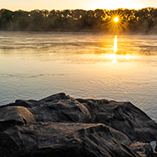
x=34, y=65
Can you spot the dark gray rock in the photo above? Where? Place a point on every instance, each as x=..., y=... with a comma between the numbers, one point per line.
x=64, y=139
x=123, y=116
x=62, y=126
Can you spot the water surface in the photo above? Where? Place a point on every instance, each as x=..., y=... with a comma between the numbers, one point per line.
x=83, y=65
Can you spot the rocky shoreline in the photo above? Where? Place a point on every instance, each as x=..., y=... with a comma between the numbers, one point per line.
x=62, y=126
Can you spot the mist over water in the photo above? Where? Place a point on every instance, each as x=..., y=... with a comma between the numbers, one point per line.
x=83, y=65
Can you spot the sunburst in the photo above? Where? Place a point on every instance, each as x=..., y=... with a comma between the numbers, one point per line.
x=114, y=21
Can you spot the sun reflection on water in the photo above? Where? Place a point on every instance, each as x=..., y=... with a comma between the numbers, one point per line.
x=116, y=53
x=115, y=44
x=113, y=56
x=115, y=50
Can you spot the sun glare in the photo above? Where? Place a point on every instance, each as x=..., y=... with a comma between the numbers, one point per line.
x=115, y=22
x=116, y=19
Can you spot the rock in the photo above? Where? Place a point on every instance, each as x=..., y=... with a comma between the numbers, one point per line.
x=16, y=113
x=62, y=126
x=64, y=139
x=156, y=147
x=123, y=116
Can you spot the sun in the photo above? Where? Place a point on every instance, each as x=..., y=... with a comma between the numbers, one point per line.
x=115, y=22
x=116, y=19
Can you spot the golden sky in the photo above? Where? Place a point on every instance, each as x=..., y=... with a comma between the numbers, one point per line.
x=76, y=4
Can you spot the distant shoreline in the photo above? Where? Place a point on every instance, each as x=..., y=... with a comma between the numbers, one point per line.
x=130, y=21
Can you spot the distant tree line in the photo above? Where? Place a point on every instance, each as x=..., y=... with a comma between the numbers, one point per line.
x=143, y=20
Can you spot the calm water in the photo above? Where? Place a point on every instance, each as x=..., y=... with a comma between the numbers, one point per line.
x=87, y=65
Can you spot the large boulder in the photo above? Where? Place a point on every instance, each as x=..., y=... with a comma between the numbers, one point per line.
x=62, y=126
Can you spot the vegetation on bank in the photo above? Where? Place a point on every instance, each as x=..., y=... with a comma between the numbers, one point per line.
x=132, y=21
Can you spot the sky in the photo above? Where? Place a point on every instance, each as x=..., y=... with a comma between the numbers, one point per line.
x=75, y=4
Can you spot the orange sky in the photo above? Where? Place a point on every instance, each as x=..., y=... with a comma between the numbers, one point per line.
x=76, y=4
